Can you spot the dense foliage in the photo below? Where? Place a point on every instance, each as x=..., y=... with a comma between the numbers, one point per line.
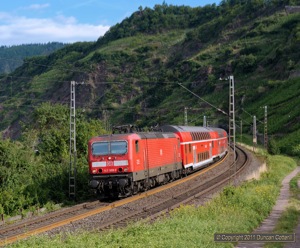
x=34, y=171
x=13, y=56
x=167, y=17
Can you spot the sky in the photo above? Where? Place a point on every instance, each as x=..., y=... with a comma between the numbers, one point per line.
x=68, y=21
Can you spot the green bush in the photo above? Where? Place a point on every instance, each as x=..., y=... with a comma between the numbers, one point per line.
x=35, y=171
x=246, y=63
x=273, y=147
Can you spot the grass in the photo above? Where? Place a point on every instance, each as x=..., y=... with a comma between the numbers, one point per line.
x=234, y=210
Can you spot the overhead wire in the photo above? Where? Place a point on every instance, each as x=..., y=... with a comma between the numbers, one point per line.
x=202, y=99
x=65, y=69
x=251, y=115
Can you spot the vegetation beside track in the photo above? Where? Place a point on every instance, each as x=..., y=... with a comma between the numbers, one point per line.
x=34, y=170
x=290, y=217
x=235, y=210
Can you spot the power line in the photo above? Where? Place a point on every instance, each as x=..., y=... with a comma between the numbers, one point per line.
x=95, y=106
x=222, y=111
x=251, y=115
x=49, y=80
x=82, y=104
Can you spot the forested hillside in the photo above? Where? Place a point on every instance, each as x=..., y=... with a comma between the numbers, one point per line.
x=12, y=57
x=138, y=73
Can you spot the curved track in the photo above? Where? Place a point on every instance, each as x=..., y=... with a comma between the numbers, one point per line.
x=118, y=214
x=194, y=188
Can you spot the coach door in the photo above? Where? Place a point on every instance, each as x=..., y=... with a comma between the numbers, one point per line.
x=175, y=167
x=194, y=155
x=146, y=161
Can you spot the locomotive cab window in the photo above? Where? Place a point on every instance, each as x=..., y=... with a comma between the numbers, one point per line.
x=118, y=147
x=100, y=148
x=136, y=146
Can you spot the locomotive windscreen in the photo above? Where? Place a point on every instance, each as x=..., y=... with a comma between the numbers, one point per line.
x=109, y=147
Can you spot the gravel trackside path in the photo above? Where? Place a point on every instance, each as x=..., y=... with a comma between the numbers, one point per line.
x=269, y=223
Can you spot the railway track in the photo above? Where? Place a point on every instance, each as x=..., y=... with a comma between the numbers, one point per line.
x=166, y=204
x=13, y=232
x=150, y=204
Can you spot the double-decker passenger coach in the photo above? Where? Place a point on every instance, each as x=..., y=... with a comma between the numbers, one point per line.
x=200, y=146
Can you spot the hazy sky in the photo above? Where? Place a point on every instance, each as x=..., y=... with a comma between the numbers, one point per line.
x=29, y=21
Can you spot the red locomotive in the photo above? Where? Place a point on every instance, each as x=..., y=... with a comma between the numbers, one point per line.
x=124, y=164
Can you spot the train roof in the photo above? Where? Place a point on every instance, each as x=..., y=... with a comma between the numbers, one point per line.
x=146, y=135
x=141, y=135
x=173, y=128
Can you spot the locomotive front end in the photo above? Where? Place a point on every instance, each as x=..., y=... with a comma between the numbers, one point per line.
x=109, y=165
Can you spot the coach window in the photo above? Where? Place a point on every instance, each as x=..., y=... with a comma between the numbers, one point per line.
x=136, y=146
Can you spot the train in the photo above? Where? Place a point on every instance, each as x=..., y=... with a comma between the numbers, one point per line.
x=123, y=164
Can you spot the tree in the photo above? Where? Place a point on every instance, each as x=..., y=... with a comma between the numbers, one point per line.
x=247, y=63
x=273, y=148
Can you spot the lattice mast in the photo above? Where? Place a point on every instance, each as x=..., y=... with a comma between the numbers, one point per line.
x=254, y=133
x=266, y=129
x=241, y=131
x=73, y=155
x=185, y=116
x=231, y=133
